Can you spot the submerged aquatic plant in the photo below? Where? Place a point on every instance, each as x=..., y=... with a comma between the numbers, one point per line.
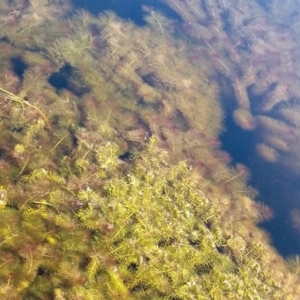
x=113, y=186
x=127, y=230
x=253, y=48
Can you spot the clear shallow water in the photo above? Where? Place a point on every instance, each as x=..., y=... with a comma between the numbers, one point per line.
x=81, y=100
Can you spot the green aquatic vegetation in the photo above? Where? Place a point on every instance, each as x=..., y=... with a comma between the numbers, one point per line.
x=144, y=232
x=147, y=235
x=114, y=188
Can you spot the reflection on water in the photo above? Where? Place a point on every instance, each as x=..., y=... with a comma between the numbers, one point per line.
x=116, y=180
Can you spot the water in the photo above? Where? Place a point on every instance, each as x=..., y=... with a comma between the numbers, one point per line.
x=144, y=146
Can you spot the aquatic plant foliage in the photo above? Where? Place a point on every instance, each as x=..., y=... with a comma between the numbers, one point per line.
x=114, y=186
x=109, y=229
x=254, y=49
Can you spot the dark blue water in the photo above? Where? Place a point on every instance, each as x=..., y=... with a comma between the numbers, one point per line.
x=127, y=9
x=273, y=183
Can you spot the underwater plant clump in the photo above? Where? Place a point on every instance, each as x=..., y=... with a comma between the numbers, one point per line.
x=136, y=230
x=95, y=199
x=253, y=47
